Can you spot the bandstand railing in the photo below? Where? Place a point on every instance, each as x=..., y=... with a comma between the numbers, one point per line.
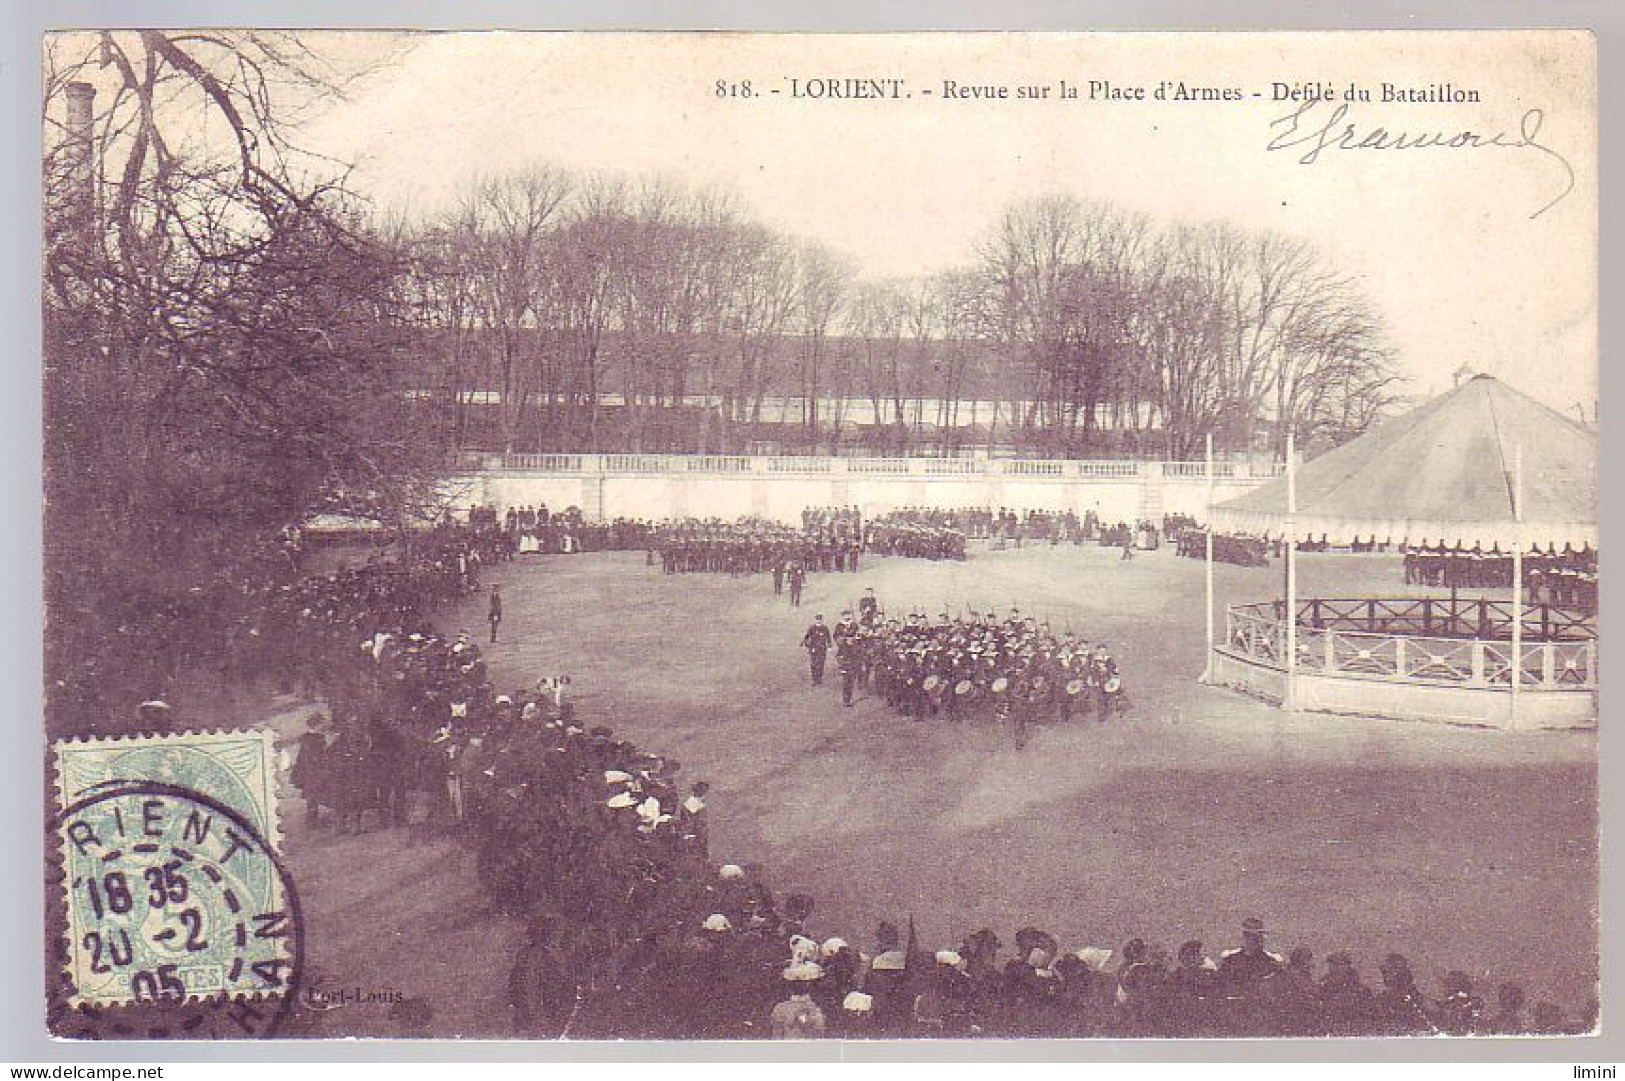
x=1257, y=632
x=1442, y=617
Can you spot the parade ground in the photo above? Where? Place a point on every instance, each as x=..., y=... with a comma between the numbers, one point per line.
x=1459, y=847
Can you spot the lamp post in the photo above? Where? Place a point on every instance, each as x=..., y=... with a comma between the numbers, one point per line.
x=1207, y=667
x=1289, y=698
x=1517, y=578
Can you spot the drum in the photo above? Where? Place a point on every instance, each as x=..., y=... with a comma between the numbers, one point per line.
x=1074, y=687
x=1000, y=685
x=963, y=687
x=933, y=683
x=1113, y=685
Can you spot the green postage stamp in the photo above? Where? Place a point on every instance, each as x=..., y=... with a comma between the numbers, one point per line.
x=174, y=890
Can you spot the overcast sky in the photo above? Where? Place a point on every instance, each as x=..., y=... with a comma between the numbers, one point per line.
x=1443, y=240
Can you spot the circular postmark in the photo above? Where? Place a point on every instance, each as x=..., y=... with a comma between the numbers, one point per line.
x=181, y=920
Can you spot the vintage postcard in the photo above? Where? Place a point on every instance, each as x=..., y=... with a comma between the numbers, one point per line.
x=774, y=537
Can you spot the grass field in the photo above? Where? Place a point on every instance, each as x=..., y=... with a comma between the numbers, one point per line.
x=1462, y=848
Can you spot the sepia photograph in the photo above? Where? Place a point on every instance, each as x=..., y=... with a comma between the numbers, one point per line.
x=742, y=536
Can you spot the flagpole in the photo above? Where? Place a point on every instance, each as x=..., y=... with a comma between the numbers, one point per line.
x=1289, y=699
x=1207, y=666
x=1517, y=578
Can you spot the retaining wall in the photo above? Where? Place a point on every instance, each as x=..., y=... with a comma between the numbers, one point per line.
x=664, y=486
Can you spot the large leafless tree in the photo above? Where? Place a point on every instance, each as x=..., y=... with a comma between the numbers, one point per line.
x=223, y=336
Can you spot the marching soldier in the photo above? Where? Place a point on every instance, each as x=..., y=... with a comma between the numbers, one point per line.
x=1102, y=680
x=914, y=675
x=1065, y=672
x=846, y=655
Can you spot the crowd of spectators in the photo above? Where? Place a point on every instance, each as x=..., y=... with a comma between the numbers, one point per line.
x=1044, y=526
x=1174, y=525
x=531, y=530
x=1142, y=536
x=259, y=625
x=1238, y=548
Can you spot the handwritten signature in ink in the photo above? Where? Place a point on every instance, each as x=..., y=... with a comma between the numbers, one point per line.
x=1298, y=130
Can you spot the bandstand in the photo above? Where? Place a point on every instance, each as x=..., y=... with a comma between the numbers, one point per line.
x=1417, y=658
x=1479, y=468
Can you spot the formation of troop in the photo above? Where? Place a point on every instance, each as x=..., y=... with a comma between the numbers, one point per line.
x=911, y=532
x=752, y=546
x=976, y=665
x=1004, y=524
x=1565, y=578
x=829, y=540
x=901, y=534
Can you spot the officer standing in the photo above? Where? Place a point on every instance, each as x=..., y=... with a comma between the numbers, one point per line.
x=798, y=578
x=816, y=642
x=494, y=616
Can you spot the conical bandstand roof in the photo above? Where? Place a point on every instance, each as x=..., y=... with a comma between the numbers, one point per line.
x=1442, y=473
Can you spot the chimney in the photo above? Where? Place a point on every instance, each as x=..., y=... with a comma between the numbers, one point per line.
x=81, y=156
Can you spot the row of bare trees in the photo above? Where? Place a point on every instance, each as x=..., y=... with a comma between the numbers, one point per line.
x=1184, y=331
x=543, y=286
x=1076, y=329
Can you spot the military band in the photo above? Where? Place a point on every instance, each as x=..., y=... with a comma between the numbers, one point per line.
x=976, y=665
